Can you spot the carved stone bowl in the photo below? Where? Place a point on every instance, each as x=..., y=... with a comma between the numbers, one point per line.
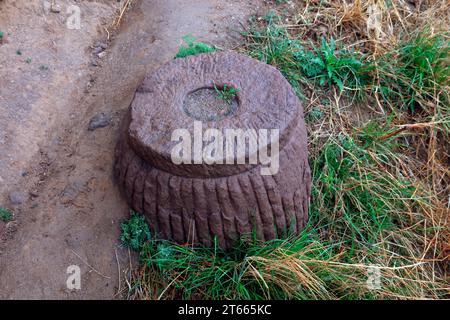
x=198, y=201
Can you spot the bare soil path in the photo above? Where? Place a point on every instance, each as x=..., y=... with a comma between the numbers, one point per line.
x=72, y=209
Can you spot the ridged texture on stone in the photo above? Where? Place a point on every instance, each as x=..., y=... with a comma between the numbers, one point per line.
x=195, y=210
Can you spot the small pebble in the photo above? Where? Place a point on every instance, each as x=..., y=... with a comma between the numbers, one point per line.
x=97, y=50
x=17, y=197
x=55, y=8
x=99, y=121
x=101, y=45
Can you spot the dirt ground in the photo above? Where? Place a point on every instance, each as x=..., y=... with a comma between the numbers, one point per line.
x=67, y=209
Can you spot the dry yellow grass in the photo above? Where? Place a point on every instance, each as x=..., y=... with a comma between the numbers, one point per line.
x=376, y=25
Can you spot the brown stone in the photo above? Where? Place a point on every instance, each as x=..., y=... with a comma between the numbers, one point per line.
x=197, y=202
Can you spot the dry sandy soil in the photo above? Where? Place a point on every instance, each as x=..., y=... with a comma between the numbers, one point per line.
x=67, y=209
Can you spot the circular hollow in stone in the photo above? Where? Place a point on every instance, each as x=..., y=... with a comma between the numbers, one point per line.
x=195, y=203
x=204, y=105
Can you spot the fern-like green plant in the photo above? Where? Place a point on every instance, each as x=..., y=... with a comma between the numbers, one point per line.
x=5, y=215
x=227, y=93
x=193, y=47
x=135, y=231
x=331, y=66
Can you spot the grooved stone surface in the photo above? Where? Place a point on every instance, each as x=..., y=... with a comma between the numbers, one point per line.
x=195, y=203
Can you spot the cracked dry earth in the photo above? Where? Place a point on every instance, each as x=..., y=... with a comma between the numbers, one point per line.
x=69, y=208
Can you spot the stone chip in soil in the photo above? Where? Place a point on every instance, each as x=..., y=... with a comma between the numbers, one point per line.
x=55, y=8
x=101, y=45
x=17, y=197
x=100, y=120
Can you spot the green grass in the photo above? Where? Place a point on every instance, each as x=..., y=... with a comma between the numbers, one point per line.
x=326, y=65
x=192, y=47
x=274, y=46
x=416, y=72
x=227, y=93
x=356, y=200
x=242, y=273
x=5, y=215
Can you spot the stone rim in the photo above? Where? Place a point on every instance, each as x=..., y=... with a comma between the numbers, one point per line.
x=166, y=88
